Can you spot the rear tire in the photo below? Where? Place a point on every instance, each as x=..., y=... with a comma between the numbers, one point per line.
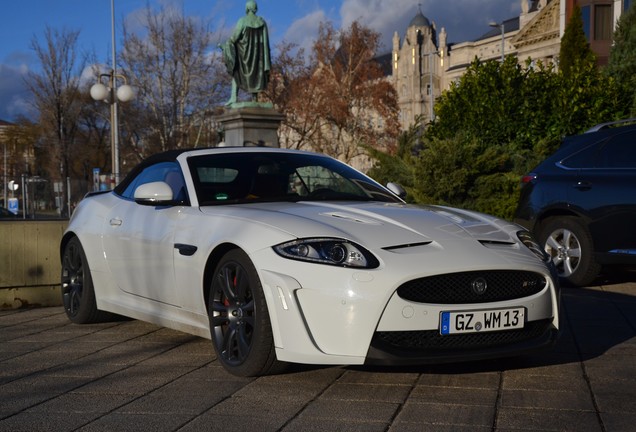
x=239, y=320
x=78, y=293
x=570, y=245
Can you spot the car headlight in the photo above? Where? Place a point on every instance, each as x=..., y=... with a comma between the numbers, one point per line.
x=337, y=252
x=526, y=238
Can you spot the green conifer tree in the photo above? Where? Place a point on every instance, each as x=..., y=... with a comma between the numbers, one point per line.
x=575, y=51
x=622, y=60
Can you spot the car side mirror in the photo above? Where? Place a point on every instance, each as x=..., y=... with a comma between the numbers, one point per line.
x=396, y=189
x=154, y=194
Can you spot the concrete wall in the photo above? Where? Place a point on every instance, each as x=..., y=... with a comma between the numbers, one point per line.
x=30, y=262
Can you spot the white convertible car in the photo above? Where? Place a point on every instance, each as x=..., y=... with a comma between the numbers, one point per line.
x=285, y=256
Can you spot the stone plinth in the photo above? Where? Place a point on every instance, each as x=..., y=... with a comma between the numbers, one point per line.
x=250, y=125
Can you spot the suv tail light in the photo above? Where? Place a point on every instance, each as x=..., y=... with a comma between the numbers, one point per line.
x=528, y=178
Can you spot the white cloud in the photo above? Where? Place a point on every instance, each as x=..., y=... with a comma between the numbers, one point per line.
x=463, y=19
x=385, y=17
x=304, y=30
x=14, y=96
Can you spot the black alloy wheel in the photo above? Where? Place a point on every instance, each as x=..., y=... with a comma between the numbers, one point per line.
x=239, y=321
x=78, y=295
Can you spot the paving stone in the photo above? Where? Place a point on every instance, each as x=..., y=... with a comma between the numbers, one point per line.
x=223, y=423
x=483, y=380
x=540, y=382
x=618, y=422
x=311, y=425
x=400, y=426
x=350, y=411
x=151, y=422
x=371, y=376
x=548, y=399
x=615, y=395
x=73, y=403
x=454, y=395
x=447, y=415
x=541, y=419
x=36, y=422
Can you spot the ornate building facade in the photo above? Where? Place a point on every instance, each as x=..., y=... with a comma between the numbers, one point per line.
x=423, y=63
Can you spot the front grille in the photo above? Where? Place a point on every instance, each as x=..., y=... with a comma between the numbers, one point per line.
x=431, y=340
x=460, y=288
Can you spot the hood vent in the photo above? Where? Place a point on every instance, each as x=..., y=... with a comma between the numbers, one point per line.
x=352, y=218
x=406, y=246
x=496, y=243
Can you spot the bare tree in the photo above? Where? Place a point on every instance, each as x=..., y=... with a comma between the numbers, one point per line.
x=341, y=103
x=178, y=76
x=291, y=90
x=57, y=99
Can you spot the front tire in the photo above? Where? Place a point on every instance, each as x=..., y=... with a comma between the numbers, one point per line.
x=569, y=243
x=239, y=321
x=78, y=293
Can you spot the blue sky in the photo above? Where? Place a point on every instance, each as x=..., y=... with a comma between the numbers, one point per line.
x=291, y=20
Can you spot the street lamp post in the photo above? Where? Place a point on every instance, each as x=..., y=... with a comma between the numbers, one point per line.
x=503, y=37
x=111, y=95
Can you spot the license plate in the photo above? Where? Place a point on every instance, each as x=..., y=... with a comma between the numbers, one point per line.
x=481, y=321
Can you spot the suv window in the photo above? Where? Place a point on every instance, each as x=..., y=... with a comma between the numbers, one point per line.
x=618, y=151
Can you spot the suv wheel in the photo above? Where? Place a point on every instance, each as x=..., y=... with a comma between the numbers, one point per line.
x=569, y=244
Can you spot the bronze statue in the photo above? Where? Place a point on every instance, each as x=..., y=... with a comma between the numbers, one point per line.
x=246, y=54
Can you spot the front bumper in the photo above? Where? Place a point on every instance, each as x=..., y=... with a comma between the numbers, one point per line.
x=428, y=346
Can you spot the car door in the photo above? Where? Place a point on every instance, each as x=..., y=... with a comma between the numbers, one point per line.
x=605, y=187
x=138, y=241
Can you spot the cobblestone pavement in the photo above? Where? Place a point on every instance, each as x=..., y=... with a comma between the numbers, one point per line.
x=133, y=376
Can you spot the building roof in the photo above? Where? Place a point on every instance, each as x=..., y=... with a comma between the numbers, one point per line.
x=5, y=123
x=420, y=20
x=510, y=25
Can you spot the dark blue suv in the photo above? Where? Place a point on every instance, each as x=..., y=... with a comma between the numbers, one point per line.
x=581, y=202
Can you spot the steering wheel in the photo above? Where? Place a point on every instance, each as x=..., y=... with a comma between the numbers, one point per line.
x=322, y=193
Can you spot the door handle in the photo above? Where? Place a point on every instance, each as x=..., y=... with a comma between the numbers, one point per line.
x=583, y=185
x=115, y=222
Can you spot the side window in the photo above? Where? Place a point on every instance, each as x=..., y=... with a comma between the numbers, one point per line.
x=585, y=158
x=619, y=151
x=168, y=172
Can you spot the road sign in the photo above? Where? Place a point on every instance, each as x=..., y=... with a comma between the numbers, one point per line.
x=13, y=205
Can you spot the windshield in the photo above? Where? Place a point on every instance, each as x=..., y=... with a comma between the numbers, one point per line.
x=231, y=178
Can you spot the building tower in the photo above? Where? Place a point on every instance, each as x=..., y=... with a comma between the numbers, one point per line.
x=417, y=69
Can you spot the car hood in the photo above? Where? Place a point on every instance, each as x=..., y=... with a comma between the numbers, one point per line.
x=373, y=224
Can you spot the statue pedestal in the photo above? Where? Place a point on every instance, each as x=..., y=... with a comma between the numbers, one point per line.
x=249, y=125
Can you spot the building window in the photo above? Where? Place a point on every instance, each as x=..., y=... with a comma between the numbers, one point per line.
x=626, y=4
x=602, y=22
x=587, y=24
